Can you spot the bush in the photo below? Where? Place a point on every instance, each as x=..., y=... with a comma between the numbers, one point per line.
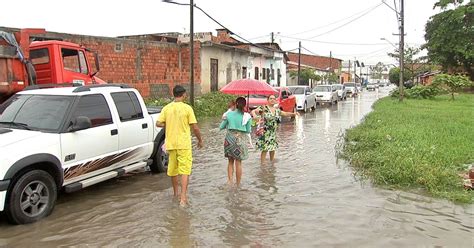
x=419, y=92
x=424, y=92
x=207, y=105
x=454, y=83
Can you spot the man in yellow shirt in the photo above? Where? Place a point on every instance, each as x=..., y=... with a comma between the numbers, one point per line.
x=177, y=118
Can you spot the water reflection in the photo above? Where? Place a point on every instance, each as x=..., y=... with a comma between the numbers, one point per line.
x=178, y=222
x=305, y=199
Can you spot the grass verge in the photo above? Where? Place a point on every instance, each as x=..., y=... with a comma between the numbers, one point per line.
x=208, y=105
x=416, y=144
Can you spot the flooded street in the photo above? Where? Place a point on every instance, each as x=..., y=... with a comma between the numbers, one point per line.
x=307, y=198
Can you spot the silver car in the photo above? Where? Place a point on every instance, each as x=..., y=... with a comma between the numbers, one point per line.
x=305, y=98
x=325, y=94
x=351, y=89
x=341, y=91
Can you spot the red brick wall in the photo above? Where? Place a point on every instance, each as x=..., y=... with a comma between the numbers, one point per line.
x=141, y=64
x=316, y=61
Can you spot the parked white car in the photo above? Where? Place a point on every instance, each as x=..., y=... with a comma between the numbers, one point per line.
x=341, y=91
x=305, y=98
x=359, y=87
x=71, y=138
x=351, y=89
x=325, y=94
x=372, y=86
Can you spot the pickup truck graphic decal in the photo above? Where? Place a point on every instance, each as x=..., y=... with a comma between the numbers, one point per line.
x=97, y=164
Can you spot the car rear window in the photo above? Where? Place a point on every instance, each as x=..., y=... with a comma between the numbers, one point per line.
x=322, y=89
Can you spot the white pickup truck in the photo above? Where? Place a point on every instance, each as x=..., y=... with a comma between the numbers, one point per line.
x=70, y=138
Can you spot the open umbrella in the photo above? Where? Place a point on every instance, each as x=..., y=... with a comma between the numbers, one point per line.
x=248, y=86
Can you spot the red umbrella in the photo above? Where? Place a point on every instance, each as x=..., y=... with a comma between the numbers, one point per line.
x=247, y=87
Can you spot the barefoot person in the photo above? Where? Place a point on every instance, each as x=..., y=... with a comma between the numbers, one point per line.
x=238, y=125
x=177, y=118
x=268, y=118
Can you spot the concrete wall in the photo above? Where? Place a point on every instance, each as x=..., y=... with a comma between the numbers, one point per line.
x=231, y=60
x=228, y=61
x=152, y=67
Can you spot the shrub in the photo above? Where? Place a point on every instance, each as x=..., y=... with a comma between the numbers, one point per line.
x=419, y=92
x=454, y=83
x=207, y=105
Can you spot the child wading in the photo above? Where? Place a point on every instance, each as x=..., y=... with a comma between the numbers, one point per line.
x=238, y=125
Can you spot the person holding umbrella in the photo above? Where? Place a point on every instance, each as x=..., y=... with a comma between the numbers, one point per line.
x=268, y=118
x=238, y=125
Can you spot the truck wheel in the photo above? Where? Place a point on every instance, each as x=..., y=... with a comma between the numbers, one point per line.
x=31, y=198
x=160, y=161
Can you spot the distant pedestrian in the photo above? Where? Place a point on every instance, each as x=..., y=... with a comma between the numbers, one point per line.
x=177, y=117
x=238, y=125
x=268, y=118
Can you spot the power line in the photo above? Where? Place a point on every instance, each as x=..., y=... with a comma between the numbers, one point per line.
x=334, y=43
x=338, y=27
x=313, y=53
x=330, y=24
x=362, y=54
x=218, y=23
x=212, y=18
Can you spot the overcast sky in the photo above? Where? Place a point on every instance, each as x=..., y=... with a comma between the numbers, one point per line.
x=320, y=24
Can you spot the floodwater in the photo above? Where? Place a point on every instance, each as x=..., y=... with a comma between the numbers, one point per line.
x=306, y=199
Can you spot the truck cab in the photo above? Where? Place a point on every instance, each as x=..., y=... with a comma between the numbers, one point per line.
x=62, y=62
x=24, y=63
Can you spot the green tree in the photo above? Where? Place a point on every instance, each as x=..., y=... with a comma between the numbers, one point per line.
x=377, y=70
x=449, y=36
x=394, y=76
x=413, y=63
x=455, y=83
x=305, y=75
x=331, y=78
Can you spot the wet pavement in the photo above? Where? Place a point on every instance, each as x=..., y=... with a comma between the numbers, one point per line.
x=307, y=198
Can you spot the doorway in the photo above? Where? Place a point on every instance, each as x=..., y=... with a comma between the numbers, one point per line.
x=214, y=75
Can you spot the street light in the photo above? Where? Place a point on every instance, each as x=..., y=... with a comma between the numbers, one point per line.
x=389, y=42
x=191, y=46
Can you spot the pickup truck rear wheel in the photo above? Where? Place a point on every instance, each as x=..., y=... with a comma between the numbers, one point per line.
x=32, y=197
x=160, y=161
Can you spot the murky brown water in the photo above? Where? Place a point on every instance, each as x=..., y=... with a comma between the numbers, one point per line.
x=306, y=199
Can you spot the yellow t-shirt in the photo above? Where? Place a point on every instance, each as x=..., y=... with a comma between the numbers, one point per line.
x=177, y=117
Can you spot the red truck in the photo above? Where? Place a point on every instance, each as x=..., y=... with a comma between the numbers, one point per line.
x=24, y=63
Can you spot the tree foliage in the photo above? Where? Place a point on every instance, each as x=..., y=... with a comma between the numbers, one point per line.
x=454, y=83
x=377, y=70
x=444, y=3
x=330, y=78
x=450, y=37
x=394, y=75
x=305, y=75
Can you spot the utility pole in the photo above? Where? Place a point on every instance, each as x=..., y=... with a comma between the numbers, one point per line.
x=355, y=70
x=330, y=65
x=350, y=75
x=191, y=44
x=273, y=38
x=299, y=63
x=402, y=51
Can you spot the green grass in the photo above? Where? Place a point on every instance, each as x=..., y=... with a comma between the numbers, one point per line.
x=207, y=105
x=416, y=144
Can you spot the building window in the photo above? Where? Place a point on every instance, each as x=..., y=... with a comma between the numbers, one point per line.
x=264, y=73
x=256, y=73
x=273, y=74
x=244, y=72
x=118, y=47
